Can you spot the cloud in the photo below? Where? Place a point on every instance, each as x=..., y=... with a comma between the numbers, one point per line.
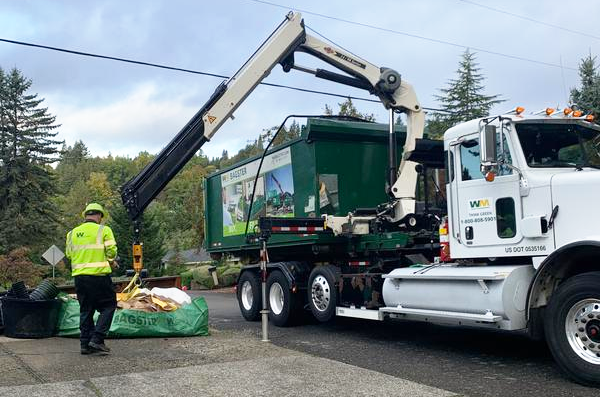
x=142, y=120
x=125, y=108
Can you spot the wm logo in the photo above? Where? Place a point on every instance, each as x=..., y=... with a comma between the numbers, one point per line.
x=481, y=203
x=80, y=234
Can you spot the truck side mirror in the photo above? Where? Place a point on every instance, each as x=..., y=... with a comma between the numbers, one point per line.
x=488, y=147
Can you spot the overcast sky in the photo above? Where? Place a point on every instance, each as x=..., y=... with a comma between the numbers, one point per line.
x=124, y=109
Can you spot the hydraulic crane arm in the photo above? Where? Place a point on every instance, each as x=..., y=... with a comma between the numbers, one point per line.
x=289, y=37
x=144, y=187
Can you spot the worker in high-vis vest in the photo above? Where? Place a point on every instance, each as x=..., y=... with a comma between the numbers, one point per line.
x=92, y=249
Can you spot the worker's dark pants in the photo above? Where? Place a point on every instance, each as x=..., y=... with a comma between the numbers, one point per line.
x=95, y=293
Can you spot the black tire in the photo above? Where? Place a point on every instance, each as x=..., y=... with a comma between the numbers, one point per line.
x=572, y=327
x=323, y=292
x=282, y=303
x=249, y=295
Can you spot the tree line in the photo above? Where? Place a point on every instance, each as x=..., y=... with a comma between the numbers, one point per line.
x=45, y=183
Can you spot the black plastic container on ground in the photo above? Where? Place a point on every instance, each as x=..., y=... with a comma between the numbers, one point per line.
x=46, y=290
x=18, y=290
x=29, y=318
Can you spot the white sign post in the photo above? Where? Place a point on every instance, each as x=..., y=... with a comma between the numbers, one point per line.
x=53, y=255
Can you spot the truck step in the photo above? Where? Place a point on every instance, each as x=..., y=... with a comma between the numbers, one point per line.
x=489, y=317
x=364, y=313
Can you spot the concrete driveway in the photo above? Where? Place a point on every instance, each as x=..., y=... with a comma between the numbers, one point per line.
x=226, y=363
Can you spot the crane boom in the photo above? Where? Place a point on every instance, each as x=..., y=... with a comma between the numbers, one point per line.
x=279, y=48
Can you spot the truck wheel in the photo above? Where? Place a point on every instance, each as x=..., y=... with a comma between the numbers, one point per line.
x=323, y=292
x=249, y=296
x=573, y=328
x=282, y=303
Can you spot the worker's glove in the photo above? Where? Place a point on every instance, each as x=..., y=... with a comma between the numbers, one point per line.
x=114, y=264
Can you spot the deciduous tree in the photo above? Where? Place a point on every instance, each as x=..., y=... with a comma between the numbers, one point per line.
x=17, y=266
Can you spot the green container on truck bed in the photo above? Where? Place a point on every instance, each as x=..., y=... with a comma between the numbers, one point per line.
x=333, y=168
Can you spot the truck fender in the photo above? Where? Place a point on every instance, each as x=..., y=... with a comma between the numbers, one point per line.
x=295, y=272
x=567, y=261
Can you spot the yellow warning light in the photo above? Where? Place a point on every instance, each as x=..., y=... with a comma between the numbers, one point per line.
x=567, y=111
x=577, y=113
x=519, y=109
x=589, y=117
x=549, y=111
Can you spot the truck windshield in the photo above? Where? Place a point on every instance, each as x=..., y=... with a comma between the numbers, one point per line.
x=559, y=145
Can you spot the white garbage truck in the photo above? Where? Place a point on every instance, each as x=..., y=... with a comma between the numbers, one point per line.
x=514, y=246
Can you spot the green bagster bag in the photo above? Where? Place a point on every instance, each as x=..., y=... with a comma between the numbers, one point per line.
x=188, y=320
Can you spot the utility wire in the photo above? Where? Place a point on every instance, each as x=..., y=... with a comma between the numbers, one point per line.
x=161, y=66
x=89, y=54
x=329, y=40
x=430, y=39
x=530, y=19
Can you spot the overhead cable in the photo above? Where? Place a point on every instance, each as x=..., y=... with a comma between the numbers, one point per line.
x=177, y=69
x=416, y=36
x=531, y=19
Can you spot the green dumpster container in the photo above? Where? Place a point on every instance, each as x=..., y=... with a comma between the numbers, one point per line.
x=333, y=168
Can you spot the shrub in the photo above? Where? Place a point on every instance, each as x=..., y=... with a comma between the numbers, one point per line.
x=16, y=266
x=186, y=278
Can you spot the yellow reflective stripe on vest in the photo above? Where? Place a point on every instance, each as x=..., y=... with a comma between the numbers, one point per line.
x=99, y=235
x=91, y=265
x=70, y=243
x=109, y=243
x=86, y=247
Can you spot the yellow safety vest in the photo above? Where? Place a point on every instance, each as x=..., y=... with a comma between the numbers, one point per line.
x=89, y=247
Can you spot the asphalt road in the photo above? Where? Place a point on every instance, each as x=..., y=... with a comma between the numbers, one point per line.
x=466, y=361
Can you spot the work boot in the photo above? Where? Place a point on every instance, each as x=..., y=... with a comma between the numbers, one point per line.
x=85, y=349
x=99, y=347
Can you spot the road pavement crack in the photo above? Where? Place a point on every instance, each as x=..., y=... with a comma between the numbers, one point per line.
x=23, y=365
x=88, y=384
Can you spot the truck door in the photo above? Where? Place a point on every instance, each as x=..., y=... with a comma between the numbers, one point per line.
x=488, y=212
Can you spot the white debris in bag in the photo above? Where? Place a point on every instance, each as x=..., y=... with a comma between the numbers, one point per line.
x=173, y=294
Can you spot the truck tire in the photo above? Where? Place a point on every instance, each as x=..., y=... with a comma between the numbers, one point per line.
x=283, y=305
x=323, y=292
x=572, y=327
x=249, y=295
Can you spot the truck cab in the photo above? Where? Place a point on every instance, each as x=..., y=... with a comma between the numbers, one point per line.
x=532, y=197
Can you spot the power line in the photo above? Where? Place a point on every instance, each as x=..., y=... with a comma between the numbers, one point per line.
x=530, y=19
x=329, y=40
x=89, y=54
x=177, y=69
x=430, y=39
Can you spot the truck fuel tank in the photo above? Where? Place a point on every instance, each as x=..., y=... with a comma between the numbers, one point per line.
x=451, y=293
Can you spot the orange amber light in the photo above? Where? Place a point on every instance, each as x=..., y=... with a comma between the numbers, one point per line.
x=519, y=109
x=577, y=113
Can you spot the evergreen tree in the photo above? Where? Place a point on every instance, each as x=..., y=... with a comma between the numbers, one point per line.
x=587, y=98
x=74, y=166
x=463, y=99
x=347, y=108
x=28, y=216
x=151, y=236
